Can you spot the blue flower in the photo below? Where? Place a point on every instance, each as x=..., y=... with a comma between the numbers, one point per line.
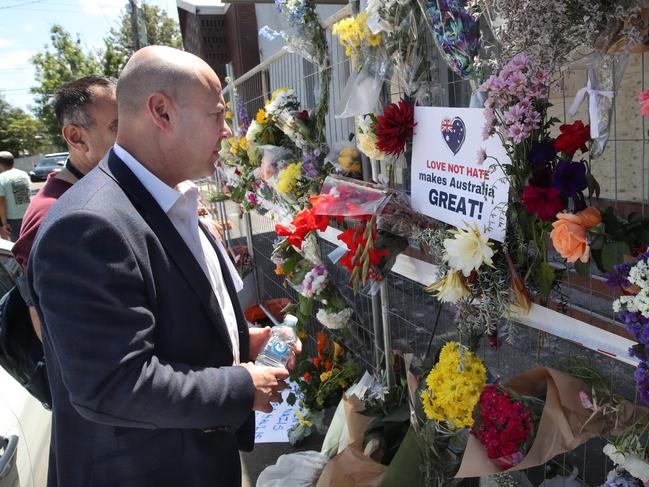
x=541, y=153
x=570, y=177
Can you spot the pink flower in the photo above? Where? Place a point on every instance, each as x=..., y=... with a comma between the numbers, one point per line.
x=517, y=132
x=643, y=98
x=482, y=155
x=514, y=114
x=533, y=119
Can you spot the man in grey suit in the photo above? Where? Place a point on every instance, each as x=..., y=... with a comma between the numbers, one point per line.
x=148, y=351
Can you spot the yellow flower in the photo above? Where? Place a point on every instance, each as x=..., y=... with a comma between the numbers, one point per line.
x=303, y=421
x=228, y=115
x=228, y=105
x=277, y=92
x=325, y=376
x=262, y=117
x=288, y=178
x=454, y=386
x=354, y=33
x=338, y=349
x=451, y=288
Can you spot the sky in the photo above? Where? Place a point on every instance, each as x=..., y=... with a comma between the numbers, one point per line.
x=24, y=31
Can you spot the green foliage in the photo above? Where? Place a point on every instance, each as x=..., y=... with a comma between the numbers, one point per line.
x=161, y=30
x=20, y=133
x=62, y=61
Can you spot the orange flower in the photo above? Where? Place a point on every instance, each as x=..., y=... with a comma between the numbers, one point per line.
x=569, y=234
x=328, y=365
x=316, y=361
x=307, y=377
x=322, y=342
x=279, y=271
x=338, y=350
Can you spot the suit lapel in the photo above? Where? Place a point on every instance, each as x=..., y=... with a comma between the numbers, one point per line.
x=242, y=323
x=170, y=239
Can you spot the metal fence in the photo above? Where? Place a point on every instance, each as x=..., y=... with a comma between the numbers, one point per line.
x=402, y=315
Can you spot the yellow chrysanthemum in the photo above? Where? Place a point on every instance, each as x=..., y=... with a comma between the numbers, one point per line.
x=277, y=92
x=325, y=376
x=262, y=117
x=288, y=178
x=228, y=115
x=453, y=386
x=353, y=33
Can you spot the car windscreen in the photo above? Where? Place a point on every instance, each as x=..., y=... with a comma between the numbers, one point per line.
x=51, y=161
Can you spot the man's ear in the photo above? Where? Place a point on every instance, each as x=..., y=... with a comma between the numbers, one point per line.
x=75, y=137
x=160, y=108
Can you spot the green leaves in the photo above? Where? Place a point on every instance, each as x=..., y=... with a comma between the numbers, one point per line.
x=612, y=254
x=583, y=269
x=545, y=275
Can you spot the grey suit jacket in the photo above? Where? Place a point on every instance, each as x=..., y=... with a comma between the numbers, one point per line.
x=137, y=351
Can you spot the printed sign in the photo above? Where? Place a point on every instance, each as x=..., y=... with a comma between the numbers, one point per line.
x=273, y=427
x=448, y=181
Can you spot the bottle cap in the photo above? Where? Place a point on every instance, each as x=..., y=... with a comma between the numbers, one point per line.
x=290, y=320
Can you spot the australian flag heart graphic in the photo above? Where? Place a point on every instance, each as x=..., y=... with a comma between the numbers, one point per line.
x=454, y=133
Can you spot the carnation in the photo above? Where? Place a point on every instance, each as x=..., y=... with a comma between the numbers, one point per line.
x=334, y=320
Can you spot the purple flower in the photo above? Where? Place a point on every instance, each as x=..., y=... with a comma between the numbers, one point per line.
x=570, y=177
x=533, y=119
x=541, y=153
x=642, y=381
x=619, y=276
x=514, y=114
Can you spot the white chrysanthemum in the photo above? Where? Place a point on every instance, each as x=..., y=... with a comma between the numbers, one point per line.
x=468, y=250
x=334, y=320
x=253, y=131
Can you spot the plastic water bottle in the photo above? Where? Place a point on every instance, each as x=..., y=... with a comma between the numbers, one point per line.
x=276, y=352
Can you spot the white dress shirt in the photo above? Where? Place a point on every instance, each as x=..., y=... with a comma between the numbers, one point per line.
x=180, y=204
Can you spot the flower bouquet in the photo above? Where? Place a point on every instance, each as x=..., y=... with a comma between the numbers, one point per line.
x=633, y=310
x=346, y=160
x=306, y=37
x=242, y=260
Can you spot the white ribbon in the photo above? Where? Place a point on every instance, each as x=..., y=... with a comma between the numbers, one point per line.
x=592, y=105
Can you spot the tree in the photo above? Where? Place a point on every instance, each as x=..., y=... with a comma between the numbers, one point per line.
x=20, y=133
x=61, y=62
x=161, y=30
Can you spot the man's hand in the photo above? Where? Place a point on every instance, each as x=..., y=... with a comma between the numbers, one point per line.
x=258, y=337
x=5, y=231
x=268, y=382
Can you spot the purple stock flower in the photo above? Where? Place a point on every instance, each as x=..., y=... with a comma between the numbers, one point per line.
x=541, y=153
x=570, y=177
x=311, y=165
x=619, y=276
x=642, y=380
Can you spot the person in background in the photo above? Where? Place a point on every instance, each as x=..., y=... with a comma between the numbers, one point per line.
x=86, y=110
x=14, y=196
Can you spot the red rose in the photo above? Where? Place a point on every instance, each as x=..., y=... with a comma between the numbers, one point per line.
x=395, y=127
x=573, y=136
x=303, y=115
x=543, y=202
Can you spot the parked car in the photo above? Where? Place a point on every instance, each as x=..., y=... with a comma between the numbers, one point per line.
x=24, y=423
x=48, y=164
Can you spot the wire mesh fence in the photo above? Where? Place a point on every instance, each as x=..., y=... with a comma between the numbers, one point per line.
x=414, y=320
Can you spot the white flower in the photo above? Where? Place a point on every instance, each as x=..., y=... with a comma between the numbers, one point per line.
x=468, y=250
x=334, y=320
x=451, y=288
x=629, y=461
x=253, y=131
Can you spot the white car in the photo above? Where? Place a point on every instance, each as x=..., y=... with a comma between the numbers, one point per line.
x=24, y=423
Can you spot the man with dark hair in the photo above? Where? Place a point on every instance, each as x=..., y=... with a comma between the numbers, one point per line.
x=86, y=109
x=14, y=196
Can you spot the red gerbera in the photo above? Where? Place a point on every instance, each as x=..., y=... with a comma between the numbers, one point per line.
x=395, y=127
x=573, y=136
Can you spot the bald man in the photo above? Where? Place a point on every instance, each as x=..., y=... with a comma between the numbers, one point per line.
x=148, y=351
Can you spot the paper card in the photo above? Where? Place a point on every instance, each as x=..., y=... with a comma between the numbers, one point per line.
x=273, y=427
x=448, y=183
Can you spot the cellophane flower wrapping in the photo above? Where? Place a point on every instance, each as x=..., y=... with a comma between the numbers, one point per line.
x=456, y=32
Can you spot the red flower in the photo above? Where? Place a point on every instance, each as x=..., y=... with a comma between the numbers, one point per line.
x=573, y=136
x=643, y=98
x=322, y=342
x=395, y=127
x=503, y=426
x=543, y=202
x=328, y=365
x=304, y=222
x=316, y=361
x=303, y=115
x=307, y=376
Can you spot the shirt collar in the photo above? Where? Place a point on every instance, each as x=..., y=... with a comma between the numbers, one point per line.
x=165, y=195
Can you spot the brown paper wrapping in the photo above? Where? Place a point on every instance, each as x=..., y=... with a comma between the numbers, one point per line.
x=565, y=423
x=353, y=468
x=356, y=423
